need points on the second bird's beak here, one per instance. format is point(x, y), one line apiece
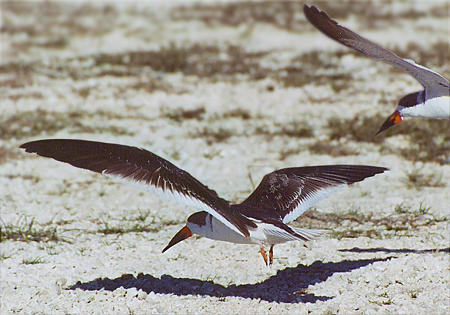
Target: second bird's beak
point(392, 120)
point(183, 234)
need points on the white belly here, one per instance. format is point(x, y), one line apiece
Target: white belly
point(269, 234)
point(216, 230)
point(264, 234)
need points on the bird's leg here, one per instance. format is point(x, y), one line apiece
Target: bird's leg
point(263, 254)
point(271, 255)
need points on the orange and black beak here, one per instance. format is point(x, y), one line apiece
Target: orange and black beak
point(183, 234)
point(392, 120)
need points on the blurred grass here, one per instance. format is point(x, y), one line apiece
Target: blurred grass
point(7, 154)
point(429, 140)
point(354, 224)
point(198, 60)
point(40, 122)
point(417, 180)
point(288, 15)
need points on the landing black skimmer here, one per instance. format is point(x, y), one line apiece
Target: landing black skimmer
point(281, 197)
point(432, 102)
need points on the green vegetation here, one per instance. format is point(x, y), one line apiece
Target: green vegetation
point(34, 261)
point(137, 224)
point(27, 230)
point(4, 256)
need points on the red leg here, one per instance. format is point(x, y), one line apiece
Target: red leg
point(271, 255)
point(263, 254)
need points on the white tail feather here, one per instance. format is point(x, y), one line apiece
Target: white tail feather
point(309, 233)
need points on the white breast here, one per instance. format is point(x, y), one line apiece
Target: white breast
point(264, 234)
point(216, 230)
point(437, 107)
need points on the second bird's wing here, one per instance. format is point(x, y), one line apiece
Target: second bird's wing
point(428, 78)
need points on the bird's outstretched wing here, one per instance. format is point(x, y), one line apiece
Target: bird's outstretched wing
point(287, 193)
point(138, 166)
point(428, 78)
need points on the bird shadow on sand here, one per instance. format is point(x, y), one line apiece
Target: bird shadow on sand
point(396, 250)
point(287, 286)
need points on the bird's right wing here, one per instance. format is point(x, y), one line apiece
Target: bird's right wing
point(141, 167)
point(428, 78)
point(287, 193)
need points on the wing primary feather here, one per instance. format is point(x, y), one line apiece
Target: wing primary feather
point(288, 193)
point(320, 19)
point(139, 166)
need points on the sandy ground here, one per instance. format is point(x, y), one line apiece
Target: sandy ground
point(228, 92)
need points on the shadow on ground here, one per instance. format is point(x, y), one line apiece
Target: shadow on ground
point(397, 250)
point(286, 286)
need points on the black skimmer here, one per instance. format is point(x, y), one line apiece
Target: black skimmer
point(432, 102)
point(281, 197)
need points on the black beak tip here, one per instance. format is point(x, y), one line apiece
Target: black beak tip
point(380, 131)
point(183, 234)
point(392, 120)
point(387, 124)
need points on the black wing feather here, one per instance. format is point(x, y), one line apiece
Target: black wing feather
point(138, 165)
point(345, 36)
point(286, 193)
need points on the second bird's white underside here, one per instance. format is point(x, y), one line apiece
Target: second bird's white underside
point(437, 107)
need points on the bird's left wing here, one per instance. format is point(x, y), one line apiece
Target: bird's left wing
point(144, 168)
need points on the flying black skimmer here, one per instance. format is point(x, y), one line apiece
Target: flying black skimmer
point(281, 197)
point(432, 102)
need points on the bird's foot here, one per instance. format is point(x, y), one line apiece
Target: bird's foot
point(264, 255)
point(271, 255)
